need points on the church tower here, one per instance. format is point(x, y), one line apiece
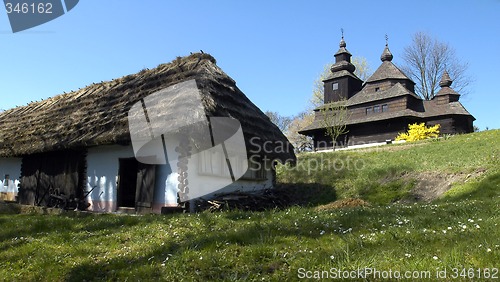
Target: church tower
point(446, 94)
point(342, 82)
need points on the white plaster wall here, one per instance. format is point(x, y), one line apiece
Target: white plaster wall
point(103, 168)
point(246, 185)
point(12, 167)
point(102, 171)
point(205, 186)
point(166, 178)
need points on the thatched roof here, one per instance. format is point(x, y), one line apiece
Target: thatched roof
point(97, 114)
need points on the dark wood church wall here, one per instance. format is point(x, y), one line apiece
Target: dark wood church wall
point(41, 173)
point(453, 124)
point(447, 125)
point(377, 131)
point(394, 105)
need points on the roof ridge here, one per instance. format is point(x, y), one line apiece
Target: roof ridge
point(387, 70)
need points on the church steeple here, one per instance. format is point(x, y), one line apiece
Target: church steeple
point(343, 58)
point(446, 94)
point(445, 80)
point(386, 55)
point(342, 82)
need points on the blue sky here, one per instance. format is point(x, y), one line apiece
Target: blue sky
point(273, 49)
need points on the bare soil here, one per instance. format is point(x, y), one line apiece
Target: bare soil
point(431, 185)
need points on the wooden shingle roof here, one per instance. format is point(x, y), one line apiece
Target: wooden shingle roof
point(431, 110)
point(387, 70)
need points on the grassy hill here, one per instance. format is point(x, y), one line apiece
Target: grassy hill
point(416, 209)
point(386, 174)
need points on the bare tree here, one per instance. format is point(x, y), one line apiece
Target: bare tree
point(290, 126)
point(426, 59)
point(300, 142)
point(282, 122)
point(334, 117)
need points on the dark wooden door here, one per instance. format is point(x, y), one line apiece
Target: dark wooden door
point(127, 182)
point(145, 187)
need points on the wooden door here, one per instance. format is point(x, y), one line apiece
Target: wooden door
point(145, 188)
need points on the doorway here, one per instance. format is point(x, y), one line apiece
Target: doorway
point(136, 185)
point(127, 182)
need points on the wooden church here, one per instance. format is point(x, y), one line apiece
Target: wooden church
point(383, 105)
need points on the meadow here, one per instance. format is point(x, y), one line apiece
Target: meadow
point(418, 211)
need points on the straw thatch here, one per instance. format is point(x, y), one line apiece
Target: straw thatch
point(97, 114)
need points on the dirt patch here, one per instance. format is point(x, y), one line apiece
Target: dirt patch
point(431, 185)
point(344, 203)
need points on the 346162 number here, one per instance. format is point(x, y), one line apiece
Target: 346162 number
point(29, 8)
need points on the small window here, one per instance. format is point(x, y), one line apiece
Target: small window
point(369, 110)
point(376, 109)
point(377, 89)
point(385, 108)
point(335, 86)
point(256, 171)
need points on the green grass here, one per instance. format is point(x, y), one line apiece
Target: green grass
point(386, 174)
point(459, 230)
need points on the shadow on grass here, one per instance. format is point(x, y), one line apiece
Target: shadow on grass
point(306, 194)
point(147, 265)
point(271, 234)
point(46, 225)
point(487, 188)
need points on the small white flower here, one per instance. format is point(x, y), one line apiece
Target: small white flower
point(322, 232)
point(470, 220)
point(488, 250)
point(444, 231)
point(332, 257)
point(435, 257)
point(408, 255)
point(464, 226)
point(477, 226)
point(449, 227)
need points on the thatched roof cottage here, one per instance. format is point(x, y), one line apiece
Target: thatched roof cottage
point(80, 141)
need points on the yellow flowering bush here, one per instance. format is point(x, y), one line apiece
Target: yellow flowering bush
point(418, 131)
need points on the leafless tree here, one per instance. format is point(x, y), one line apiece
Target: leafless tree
point(334, 117)
point(426, 59)
point(282, 122)
point(300, 142)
